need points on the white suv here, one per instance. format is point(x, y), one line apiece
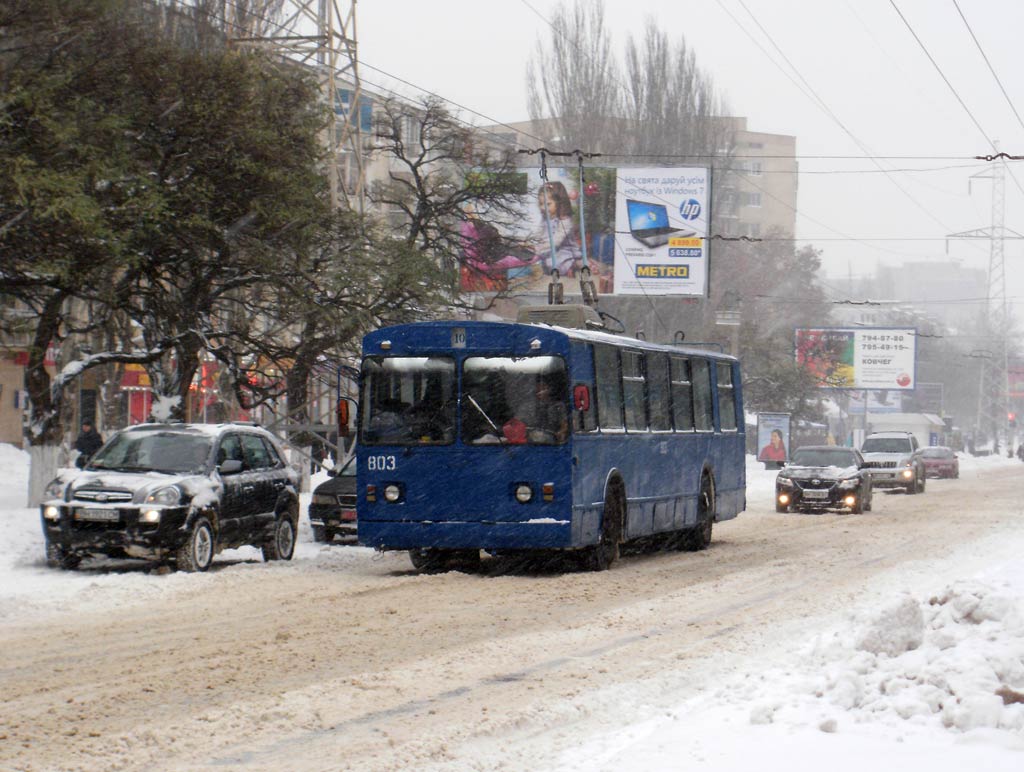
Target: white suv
point(894, 460)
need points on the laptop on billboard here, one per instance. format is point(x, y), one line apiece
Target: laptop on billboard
point(648, 222)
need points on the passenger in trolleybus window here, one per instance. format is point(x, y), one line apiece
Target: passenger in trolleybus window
point(550, 421)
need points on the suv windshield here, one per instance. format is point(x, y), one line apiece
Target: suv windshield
point(407, 401)
point(514, 401)
point(837, 457)
point(886, 445)
point(168, 452)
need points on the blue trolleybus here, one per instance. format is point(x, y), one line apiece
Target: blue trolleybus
point(509, 437)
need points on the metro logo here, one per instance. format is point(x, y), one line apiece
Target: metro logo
point(662, 272)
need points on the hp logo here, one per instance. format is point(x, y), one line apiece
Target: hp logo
point(690, 209)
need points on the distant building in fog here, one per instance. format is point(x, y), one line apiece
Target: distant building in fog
point(944, 290)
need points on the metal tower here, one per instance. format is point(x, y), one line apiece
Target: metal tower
point(994, 392)
point(321, 34)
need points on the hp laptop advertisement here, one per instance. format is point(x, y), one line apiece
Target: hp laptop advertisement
point(661, 222)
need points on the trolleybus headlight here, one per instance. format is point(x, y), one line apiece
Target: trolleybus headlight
point(392, 493)
point(524, 493)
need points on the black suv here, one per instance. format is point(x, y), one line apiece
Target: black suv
point(174, 492)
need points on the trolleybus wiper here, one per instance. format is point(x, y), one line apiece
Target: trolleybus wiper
point(498, 433)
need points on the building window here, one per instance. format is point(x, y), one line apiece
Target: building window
point(754, 167)
point(752, 199)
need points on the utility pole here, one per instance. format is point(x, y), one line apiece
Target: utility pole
point(994, 391)
point(321, 34)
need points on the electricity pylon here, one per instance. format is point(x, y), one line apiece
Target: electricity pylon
point(321, 34)
point(994, 392)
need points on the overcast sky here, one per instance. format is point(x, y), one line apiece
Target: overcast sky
point(858, 56)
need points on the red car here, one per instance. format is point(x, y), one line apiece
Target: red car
point(940, 461)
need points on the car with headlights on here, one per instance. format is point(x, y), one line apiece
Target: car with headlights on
point(895, 461)
point(332, 507)
point(174, 493)
point(940, 461)
point(820, 477)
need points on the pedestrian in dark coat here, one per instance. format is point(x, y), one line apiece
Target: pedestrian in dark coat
point(88, 442)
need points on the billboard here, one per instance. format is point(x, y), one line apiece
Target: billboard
point(773, 439)
point(645, 229)
point(859, 358)
point(662, 215)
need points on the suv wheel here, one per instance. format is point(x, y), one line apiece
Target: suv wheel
point(282, 543)
point(196, 554)
point(58, 557)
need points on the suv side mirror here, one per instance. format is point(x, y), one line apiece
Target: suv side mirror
point(231, 466)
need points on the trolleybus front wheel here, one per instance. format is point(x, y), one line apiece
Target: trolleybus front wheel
point(433, 561)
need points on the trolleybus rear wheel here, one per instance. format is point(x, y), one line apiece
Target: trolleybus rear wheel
point(601, 556)
point(699, 537)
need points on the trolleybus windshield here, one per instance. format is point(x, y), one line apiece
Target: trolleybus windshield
point(408, 401)
point(514, 400)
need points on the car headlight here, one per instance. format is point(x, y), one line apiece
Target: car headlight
point(151, 516)
point(55, 490)
point(849, 482)
point(168, 496)
point(783, 481)
point(323, 499)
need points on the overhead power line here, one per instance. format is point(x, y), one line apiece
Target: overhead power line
point(987, 62)
point(956, 94)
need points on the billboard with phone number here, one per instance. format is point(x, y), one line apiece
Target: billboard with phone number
point(859, 357)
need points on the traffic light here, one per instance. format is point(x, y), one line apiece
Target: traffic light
point(1011, 417)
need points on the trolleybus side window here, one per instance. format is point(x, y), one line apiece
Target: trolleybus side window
point(682, 394)
point(703, 416)
point(609, 387)
point(658, 388)
point(726, 398)
point(407, 401)
point(633, 388)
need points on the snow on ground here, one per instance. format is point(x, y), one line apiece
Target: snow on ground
point(925, 675)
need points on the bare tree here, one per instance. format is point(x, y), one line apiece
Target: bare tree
point(573, 79)
point(672, 102)
point(439, 174)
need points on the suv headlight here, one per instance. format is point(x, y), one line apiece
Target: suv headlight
point(783, 481)
point(170, 495)
point(55, 490)
point(849, 482)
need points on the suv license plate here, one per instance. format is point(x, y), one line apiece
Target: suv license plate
point(106, 515)
point(815, 494)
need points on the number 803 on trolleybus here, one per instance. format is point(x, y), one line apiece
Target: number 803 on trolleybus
point(511, 437)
